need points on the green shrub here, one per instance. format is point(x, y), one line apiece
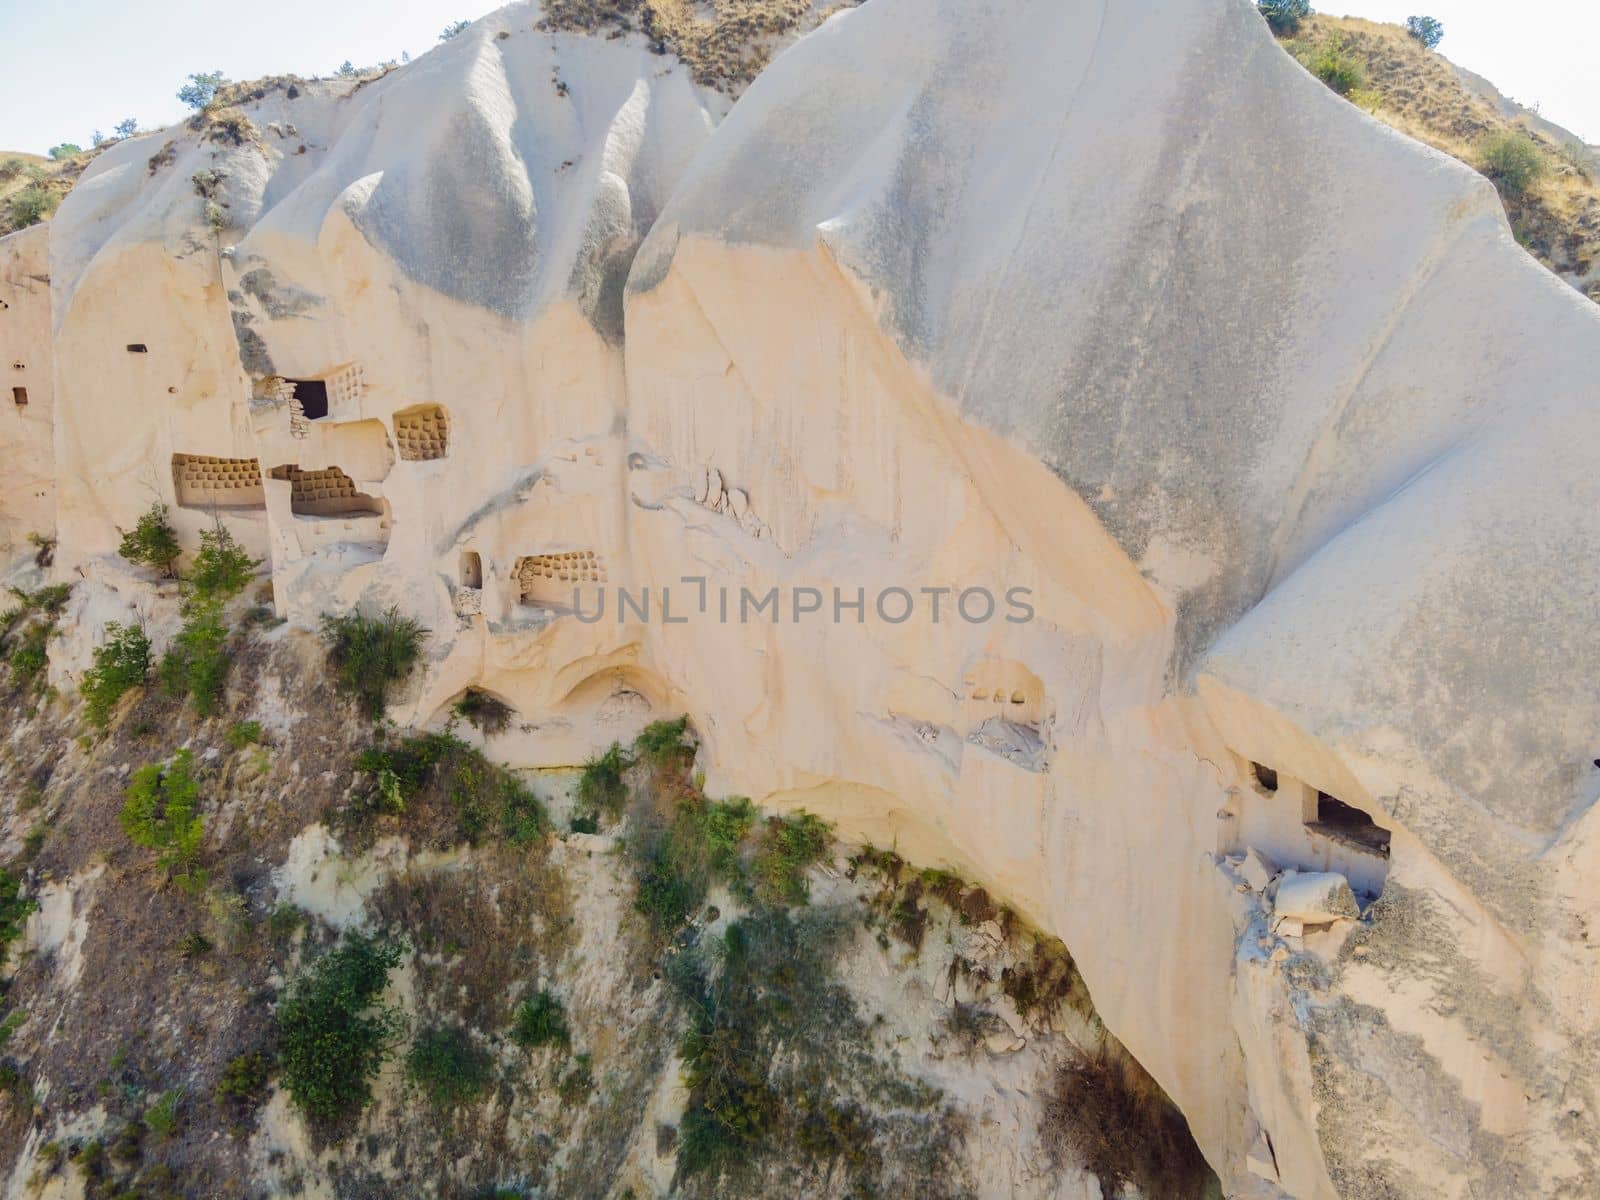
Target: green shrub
point(65, 150)
point(161, 813)
point(789, 847)
point(120, 665)
point(161, 1118)
point(369, 655)
point(1427, 30)
point(601, 788)
point(490, 715)
point(31, 204)
point(1513, 160)
point(1336, 67)
point(196, 664)
point(676, 864)
point(153, 542)
point(11, 1024)
point(1285, 16)
point(15, 908)
point(662, 743)
point(244, 1079)
point(244, 733)
point(221, 569)
point(448, 1066)
point(726, 824)
point(488, 801)
point(540, 1020)
point(31, 655)
point(334, 1035)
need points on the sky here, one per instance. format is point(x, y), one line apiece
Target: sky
point(75, 66)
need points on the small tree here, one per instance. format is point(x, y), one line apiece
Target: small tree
point(1284, 16)
point(1426, 30)
point(65, 150)
point(120, 665)
point(201, 89)
point(162, 813)
point(126, 127)
point(452, 29)
point(196, 664)
point(153, 542)
point(347, 70)
point(221, 569)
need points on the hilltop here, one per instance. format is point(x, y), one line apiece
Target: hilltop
point(1419, 92)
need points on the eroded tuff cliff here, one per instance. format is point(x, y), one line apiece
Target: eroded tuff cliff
point(1288, 440)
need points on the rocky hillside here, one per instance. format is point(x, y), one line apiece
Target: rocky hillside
point(1003, 611)
point(1555, 215)
point(596, 982)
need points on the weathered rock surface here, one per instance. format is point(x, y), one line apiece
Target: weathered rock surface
point(1290, 443)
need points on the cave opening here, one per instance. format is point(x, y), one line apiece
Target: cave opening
point(1349, 823)
point(313, 397)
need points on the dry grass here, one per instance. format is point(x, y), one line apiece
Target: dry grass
point(1418, 93)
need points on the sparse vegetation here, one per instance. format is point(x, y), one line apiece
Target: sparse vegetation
point(457, 787)
point(789, 847)
point(15, 908)
point(334, 1034)
point(161, 813)
point(448, 1067)
point(126, 127)
point(161, 1118)
point(663, 744)
point(120, 665)
point(540, 1020)
point(486, 713)
point(1512, 160)
point(1427, 30)
point(153, 542)
point(370, 655)
point(244, 733)
point(601, 787)
point(65, 150)
point(454, 29)
point(30, 656)
point(1331, 62)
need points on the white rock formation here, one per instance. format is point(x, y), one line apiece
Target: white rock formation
point(1288, 441)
